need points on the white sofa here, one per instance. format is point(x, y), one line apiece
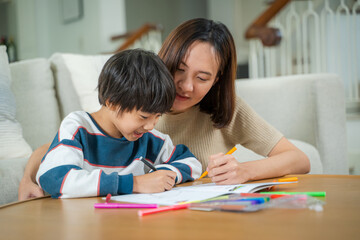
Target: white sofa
point(309, 109)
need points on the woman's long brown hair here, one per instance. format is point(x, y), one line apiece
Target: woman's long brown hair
point(220, 100)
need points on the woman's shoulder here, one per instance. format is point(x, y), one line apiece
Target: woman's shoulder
point(242, 106)
point(244, 115)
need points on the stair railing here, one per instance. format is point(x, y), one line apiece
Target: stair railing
point(314, 39)
point(147, 37)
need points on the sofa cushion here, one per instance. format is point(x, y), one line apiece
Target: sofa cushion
point(312, 153)
point(300, 107)
point(12, 143)
point(37, 106)
point(76, 77)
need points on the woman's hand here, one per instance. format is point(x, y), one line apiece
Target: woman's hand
point(28, 189)
point(158, 181)
point(225, 169)
point(282, 160)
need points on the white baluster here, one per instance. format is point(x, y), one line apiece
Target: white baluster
point(266, 62)
point(260, 50)
point(311, 49)
point(356, 51)
point(305, 46)
point(327, 20)
point(344, 52)
point(253, 63)
point(293, 19)
point(280, 51)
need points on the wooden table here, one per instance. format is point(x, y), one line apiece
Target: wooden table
point(48, 218)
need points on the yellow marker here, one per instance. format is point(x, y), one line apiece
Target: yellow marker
point(229, 152)
point(291, 179)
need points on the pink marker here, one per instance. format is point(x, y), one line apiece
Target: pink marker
point(122, 205)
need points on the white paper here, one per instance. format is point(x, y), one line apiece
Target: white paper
point(193, 193)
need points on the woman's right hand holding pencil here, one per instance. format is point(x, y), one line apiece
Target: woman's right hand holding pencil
point(158, 181)
point(225, 169)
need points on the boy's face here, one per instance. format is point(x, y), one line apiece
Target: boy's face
point(133, 124)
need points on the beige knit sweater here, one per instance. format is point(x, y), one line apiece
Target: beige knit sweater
point(195, 129)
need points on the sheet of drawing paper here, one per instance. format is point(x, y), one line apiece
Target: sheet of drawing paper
point(193, 193)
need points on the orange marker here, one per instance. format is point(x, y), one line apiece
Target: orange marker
point(291, 179)
point(229, 152)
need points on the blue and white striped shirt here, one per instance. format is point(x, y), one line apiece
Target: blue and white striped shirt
point(84, 161)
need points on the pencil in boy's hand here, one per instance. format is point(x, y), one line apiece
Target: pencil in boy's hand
point(147, 163)
point(229, 152)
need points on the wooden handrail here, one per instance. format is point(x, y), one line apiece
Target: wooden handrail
point(121, 36)
point(258, 29)
point(133, 36)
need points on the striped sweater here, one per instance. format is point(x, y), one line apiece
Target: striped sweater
point(84, 161)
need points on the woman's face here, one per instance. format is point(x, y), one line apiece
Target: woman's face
point(195, 76)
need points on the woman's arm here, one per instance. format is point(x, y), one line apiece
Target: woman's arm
point(283, 159)
point(28, 187)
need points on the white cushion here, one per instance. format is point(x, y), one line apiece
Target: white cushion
point(37, 106)
point(77, 78)
point(12, 143)
point(309, 108)
point(312, 153)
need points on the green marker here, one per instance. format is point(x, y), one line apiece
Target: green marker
point(313, 194)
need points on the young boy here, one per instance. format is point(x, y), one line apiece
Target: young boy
point(96, 154)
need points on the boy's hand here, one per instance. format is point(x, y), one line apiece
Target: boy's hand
point(154, 182)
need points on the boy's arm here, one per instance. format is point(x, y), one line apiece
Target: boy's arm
point(178, 159)
point(28, 187)
point(61, 174)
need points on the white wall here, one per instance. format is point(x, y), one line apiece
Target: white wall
point(40, 30)
point(237, 15)
point(81, 36)
point(26, 29)
point(112, 22)
point(3, 19)
point(169, 13)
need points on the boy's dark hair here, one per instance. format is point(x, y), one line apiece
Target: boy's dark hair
point(136, 79)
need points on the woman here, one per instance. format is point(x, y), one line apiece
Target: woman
point(206, 115)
